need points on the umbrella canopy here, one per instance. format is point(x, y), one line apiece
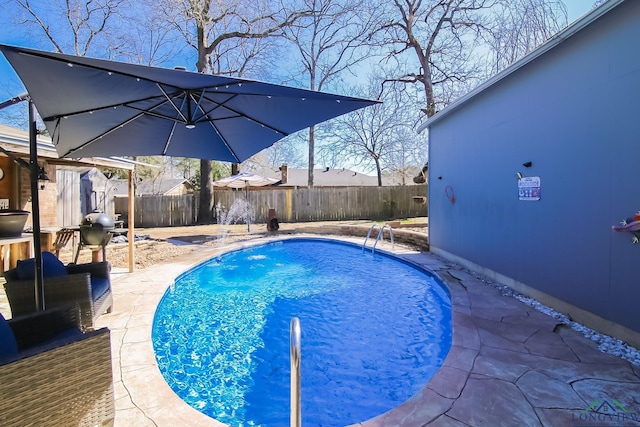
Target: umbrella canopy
point(94, 108)
point(244, 180)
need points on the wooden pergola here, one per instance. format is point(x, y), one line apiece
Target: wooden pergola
point(15, 143)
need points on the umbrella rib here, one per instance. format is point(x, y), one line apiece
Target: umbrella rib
point(106, 107)
point(198, 101)
point(224, 141)
point(173, 128)
point(166, 145)
point(240, 114)
point(170, 99)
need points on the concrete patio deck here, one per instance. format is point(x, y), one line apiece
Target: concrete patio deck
point(509, 364)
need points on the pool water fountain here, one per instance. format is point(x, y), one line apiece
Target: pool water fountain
point(239, 211)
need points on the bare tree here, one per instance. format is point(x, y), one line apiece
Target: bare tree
point(521, 26)
point(70, 26)
point(442, 35)
point(144, 36)
point(372, 137)
point(224, 32)
point(286, 151)
point(330, 40)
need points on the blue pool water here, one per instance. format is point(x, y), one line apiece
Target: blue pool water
point(374, 331)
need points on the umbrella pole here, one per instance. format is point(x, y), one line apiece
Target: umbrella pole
point(34, 171)
point(246, 192)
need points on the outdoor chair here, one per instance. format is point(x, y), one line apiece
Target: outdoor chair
point(52, 374)
point(88, 285)
point(62, 238)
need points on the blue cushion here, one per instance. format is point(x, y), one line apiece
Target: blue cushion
point(8, 344)
point(51, 267)
point(98, 287)
point(66, 334)
point(26, 269)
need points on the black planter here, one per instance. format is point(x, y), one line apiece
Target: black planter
point(12, 222)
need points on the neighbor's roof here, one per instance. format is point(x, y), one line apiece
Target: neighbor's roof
point(556, 40)
point(330, 178)
point(148, 186)
point(17, 141)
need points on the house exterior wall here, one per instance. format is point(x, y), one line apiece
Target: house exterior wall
point(179, 190)
point(573, 112)
point(47, 197)
point(6, 183)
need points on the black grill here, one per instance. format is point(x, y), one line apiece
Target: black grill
point(95, 229)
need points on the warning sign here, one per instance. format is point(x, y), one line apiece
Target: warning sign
point(529, 188)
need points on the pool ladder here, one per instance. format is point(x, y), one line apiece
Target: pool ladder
point(294, 353)
point(379, 237)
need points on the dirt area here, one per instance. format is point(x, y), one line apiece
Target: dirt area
point(162, 244)
point(155, 245)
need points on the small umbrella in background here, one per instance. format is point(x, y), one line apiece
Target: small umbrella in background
point(245, 180)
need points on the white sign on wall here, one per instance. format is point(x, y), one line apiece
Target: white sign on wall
point(4, 203)
point(529, 188)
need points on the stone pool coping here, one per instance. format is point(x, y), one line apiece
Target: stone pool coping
point(509, 364)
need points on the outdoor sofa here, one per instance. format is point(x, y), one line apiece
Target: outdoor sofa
point(53, 374)
point(88, 285)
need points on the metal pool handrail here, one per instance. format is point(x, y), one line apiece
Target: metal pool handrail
point(294, 352)
point(364, 245)
point(381, 236)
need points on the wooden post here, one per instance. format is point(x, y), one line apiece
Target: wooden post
point(131, 221)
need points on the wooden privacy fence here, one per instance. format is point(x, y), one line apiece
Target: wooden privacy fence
point(160, 211)
point(291, 205)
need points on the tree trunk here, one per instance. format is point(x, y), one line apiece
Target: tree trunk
point(205, 211)
point(311, 155)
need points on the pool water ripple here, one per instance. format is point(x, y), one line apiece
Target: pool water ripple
point(374, 331)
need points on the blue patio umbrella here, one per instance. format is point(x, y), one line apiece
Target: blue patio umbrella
point(93, 107)
point(98, 108)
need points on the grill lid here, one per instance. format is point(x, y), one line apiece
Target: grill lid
point(98, 220)
point(95, 228)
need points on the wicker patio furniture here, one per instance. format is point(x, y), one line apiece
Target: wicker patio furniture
point(59, 376)
point(88, 285)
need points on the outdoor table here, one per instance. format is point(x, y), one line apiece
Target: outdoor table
point(15, 248)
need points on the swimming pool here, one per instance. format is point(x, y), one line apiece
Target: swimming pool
point(374, 330)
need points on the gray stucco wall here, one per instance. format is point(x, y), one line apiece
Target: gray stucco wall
point(574, 113)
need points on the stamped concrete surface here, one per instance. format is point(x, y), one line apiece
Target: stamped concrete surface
point(509, 364)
